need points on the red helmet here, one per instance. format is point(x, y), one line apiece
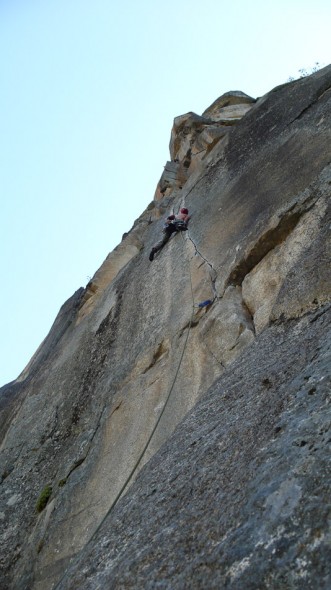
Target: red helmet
point(184, 210)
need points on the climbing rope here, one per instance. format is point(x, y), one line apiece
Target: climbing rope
point(134, 469)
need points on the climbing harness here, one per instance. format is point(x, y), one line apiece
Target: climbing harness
point(180, 225)
point(176, 226)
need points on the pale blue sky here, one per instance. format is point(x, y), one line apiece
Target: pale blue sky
point(88, 94)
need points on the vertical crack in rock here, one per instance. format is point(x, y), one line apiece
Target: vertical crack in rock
point(249, 313)
point(81, 460)
point(214, 355)
point(212, 271)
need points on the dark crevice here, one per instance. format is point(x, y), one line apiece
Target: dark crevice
point(81, 460)
point(76, 464)
point(200, 152)
point(187, 158)
point(115, 409)
point(249, 314)
point(324, 92)
point(214, 356)
point(319, 312)
point(241, 330)
point(265, 244)
point(309, 106)
point(189, 325)
point(312, 314)
point(234, 345)
point(158, 354)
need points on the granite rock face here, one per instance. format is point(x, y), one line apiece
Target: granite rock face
point(194, 136)
point(233, 488)
point(239, 496)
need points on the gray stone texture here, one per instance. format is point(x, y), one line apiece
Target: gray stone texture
point(233, 489)
point(239, 497)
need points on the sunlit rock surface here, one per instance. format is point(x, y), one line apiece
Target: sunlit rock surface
point(194, 136)
point(236, 491)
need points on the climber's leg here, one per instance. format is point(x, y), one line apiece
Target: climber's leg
point(161, 243)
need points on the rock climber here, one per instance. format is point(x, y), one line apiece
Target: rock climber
point(173, 224)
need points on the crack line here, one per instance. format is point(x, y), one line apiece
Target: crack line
point(81, 460)
point(215, 357)
point(314, 101)
point(213, 273)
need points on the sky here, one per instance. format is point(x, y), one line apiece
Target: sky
point(88, 94)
